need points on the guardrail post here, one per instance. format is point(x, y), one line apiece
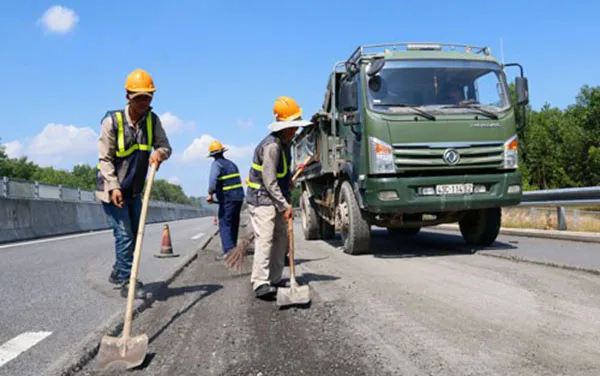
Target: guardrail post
point(60, 192)
point(562, 218)
point(4, 186)
point(36, 190)
point(78, 193)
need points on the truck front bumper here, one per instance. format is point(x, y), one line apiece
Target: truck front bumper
point(378, 193)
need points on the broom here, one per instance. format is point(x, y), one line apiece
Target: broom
point(235, 257)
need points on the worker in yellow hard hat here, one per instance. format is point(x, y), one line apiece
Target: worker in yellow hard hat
point(269, 196)
point(225, 182)
point(125, 146)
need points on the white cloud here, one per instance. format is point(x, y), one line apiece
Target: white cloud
point(198, 150)
point(64, 140)
point(13, 149)
point(173, 124)
point(246, 123)
point(174, 180)
point(59, 19)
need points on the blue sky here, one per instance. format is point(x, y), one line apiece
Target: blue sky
point(219, 66)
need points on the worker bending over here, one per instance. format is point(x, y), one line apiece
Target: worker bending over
point(269, 197)
point(125, 145)
point(226, 184)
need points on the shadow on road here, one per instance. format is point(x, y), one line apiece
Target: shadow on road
point(162, 292)
point(305, 261)
point(423, 244)
point(166, 293)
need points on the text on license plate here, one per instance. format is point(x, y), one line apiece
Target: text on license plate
point(454, 189)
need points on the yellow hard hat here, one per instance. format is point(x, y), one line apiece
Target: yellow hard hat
point(139, 81)
point(215, 147)
point(286, 108)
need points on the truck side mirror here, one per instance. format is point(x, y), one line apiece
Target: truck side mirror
point(522, 90)
point(375, 67)
point(348, 95)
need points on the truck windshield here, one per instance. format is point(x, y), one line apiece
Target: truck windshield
point(439, 85)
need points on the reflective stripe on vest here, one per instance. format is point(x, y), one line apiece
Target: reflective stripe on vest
point(121, 152)
point(230, 176)
point(279, 175)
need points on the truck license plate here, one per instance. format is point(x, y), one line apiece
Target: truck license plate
point(454, 189)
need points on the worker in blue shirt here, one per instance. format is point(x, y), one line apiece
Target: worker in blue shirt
point(226, 184)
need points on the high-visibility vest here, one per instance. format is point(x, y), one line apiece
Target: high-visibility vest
point(229, 184)
point(132, 152)
point(257, 194)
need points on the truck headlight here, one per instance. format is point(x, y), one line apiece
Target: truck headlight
point(511, 153)
point(382, 157)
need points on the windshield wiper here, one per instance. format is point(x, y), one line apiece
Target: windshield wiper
point(425, 114)
point(475, 107)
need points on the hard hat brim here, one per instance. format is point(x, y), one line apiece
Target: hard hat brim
point(277, 126)
point(140, 93)
point(213, 153)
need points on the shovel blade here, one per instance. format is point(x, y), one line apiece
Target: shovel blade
point(122, 352)
point(293, 295)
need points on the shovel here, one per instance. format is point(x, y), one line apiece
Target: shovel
point(295, 294)
point(129, 351)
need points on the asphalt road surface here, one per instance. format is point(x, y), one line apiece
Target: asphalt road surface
point(421, 305)
point(55, 291)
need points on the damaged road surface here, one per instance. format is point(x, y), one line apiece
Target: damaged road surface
point(421, 305)
point(208, 322)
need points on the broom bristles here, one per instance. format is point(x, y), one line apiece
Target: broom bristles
point(235, 257)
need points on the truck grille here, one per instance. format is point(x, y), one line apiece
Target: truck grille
point(474, 155)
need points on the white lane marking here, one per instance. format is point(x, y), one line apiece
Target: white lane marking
point(53, 239)
point(197, 236)
point(66, 237)
point(21, 343)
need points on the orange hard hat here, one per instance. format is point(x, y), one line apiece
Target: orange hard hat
point(139, 81)
point(286, 108)
point(215, 147)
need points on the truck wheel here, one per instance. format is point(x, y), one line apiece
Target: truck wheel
point(355, 231)
point(310, 219)
point(394, 231)
point(481, 227)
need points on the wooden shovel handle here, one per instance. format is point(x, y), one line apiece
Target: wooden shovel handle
point(302, 167)
point(136, 253)
point(291, 246)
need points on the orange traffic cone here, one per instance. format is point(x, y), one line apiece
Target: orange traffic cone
point(166, 249)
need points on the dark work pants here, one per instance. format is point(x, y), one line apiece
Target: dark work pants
point(124, 223)
point(229, 223)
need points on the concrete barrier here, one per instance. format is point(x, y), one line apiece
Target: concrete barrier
point(26, 219)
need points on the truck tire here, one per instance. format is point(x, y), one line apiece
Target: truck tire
point(309, 217)
point(355, 231)
point(481, 227)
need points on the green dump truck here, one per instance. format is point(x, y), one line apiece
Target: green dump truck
point(411, 135)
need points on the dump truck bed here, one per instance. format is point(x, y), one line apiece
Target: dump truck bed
point(315, 142)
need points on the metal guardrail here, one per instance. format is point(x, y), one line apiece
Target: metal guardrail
point(561, 198)
point(17, 188)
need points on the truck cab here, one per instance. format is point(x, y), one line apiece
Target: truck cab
point(412, 135)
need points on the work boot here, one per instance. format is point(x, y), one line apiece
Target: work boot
point(140, 293)
point(265, 291)
point(114, 278)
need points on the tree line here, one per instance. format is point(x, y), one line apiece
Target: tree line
point(560, 148)
point(84, 177)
